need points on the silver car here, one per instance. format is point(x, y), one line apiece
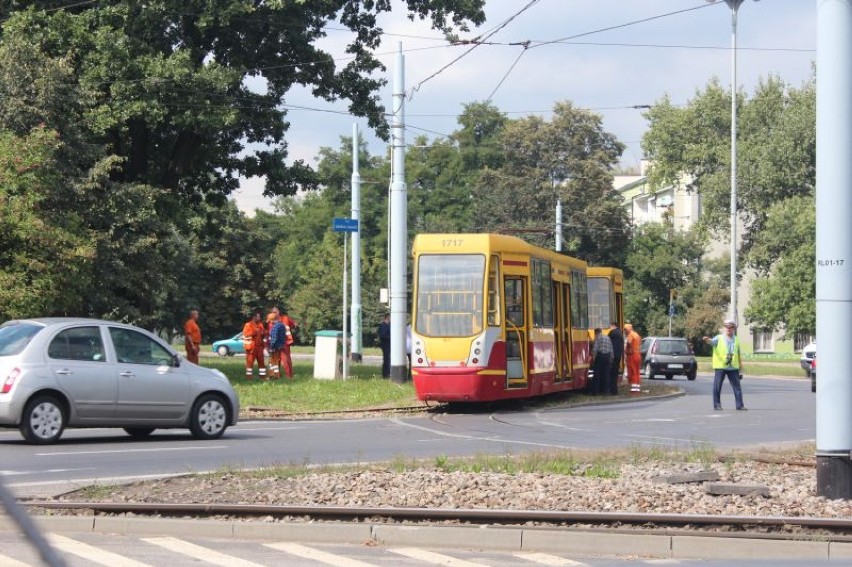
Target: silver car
point(57, 373)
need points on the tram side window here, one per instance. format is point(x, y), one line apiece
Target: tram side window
point(514, 302)
point(494, 292)
point(542, 294)
point(579, 300)
point(601, 309)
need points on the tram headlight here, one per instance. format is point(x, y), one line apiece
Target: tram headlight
point(477, 352)
point(418, 352)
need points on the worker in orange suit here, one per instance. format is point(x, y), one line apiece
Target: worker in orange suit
point(192, 337)
point(254, 332)
point(289, 328)
point(632, 352)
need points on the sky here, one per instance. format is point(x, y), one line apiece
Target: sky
point(621, 54)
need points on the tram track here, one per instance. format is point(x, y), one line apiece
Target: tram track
point(764, 527)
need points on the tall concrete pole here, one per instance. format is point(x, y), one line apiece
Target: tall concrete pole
point(558, 246)
point(355, 313)
point(734, 5)
point(399, 227)
point(834, 248)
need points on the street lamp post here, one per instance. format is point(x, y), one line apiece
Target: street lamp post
point(734, 5)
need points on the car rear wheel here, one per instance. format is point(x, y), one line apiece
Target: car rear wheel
point(43, 420)
point(692, 375)
point(813, 382)
point(649, 373)
point(223, 350)
point(139, 432)
point(209, 417)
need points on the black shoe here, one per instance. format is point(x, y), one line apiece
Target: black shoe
point(742, 409)
point(718, 408)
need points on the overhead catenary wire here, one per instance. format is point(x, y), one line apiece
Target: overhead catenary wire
point(474, 44)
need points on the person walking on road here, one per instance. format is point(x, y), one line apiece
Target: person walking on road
point(384, 342)
point(602, 356)
point(617, 340)
point(192, 337)
point(633, 345)
point(253, 334)
point(727, 362)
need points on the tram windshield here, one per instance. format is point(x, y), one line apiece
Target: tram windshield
point(449, 295)
point(601, 303)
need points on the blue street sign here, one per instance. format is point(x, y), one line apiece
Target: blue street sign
point(671, 310)
point(345, 225)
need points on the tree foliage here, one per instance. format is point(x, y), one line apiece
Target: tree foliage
point(776, 167)
point(569, 157)
point(190, 94)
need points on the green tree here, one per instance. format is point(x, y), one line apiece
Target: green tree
point(570, 157)
point(776, 176)
point(169, 83)
point(784, 300)
point(44, 249)
point(661, 259)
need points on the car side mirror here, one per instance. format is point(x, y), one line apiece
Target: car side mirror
point(176, 360)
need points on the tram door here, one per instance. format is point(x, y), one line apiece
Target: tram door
point(516, 336)
point(567, 338)
point(558, 323)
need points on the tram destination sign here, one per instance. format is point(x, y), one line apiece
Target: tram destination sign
point(341, 224)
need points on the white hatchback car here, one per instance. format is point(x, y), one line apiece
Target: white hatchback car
point(808, 355)
point(63, 372)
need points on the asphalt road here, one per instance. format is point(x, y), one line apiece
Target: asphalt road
point(780, 412)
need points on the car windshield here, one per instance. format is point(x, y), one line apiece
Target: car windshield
point(14, 337)
point(673, 347)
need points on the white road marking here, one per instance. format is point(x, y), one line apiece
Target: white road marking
point(150, 450)
point(9, 562)
point(306, 552)
point(201, 553)
point(42, 471)
point(434, 558)
point(93, 554)
point(475, 438)
point(552, 560)
point(243, 428)
point(104, 480)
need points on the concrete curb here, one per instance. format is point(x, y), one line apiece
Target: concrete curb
point(488, 538)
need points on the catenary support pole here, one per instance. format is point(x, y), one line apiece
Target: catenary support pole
point(399, 227)
point(558, 246)
point(834, 248)
point(355, 313)
point(344, 347)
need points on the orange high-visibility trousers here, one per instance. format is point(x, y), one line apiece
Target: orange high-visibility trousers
point(287, 361)
point(275, 364)
point(252, 355)
point(633, 361)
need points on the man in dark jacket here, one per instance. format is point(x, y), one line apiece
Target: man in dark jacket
point(617, 339)
point(384, 343)
point(602, 357)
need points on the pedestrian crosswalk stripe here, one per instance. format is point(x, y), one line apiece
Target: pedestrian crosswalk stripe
point(9, 562)
point(201, 553)
point(434, 558)
point(92, 553)
point(553, 560)
point(306, 552)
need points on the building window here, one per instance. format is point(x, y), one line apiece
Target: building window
point(763, 341)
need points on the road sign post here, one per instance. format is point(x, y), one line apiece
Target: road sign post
point(345, 226)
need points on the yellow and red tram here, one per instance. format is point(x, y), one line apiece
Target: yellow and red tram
point(495, 318)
